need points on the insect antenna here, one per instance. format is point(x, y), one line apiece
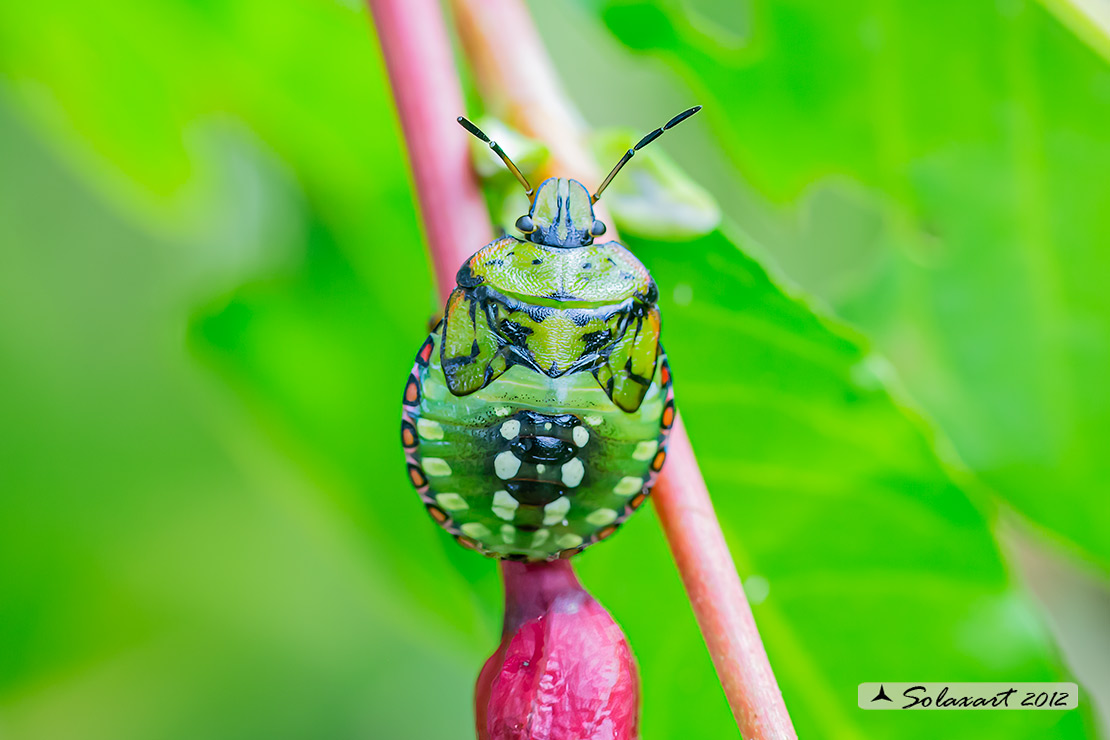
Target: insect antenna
point(640, 145)
point(499, 152)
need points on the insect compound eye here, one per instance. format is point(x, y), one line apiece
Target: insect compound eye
point(598, 228)
point(525, 225)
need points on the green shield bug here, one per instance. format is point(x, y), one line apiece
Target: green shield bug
point(535, 419)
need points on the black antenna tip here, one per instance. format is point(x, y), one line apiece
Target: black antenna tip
point(681, 117)
point(472, 128)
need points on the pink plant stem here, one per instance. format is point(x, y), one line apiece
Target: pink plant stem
point(425, 84)
point(716, 595)
point(503, 46)
point(516, 79)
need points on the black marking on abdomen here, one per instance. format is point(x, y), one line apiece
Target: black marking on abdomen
point(534, 492)
point(543, 450)
point(568, 421)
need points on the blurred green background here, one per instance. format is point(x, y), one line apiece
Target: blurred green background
point(891, 353)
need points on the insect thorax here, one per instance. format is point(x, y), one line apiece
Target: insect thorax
point(557, 311)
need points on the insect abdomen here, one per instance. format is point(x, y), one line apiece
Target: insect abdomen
point(531, 467)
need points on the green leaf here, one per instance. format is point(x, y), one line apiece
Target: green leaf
point(865, 558)
point(193, 568)
point(946, 163)
point(170, 572)
point(873, 562)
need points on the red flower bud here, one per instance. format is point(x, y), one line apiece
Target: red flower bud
point(564, 670)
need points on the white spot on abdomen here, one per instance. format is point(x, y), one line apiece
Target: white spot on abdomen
point(573, 472)
point(476, 530)
point(429, 429)
point(436, 466)
point(601, 517)
point(628, 486)
point(504, 505)
point(568, 540)
point(554, 512)
point(451, 501)
point(506, 465)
